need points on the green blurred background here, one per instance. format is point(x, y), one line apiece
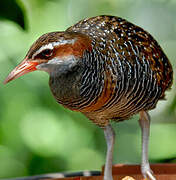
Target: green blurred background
point(39, 136)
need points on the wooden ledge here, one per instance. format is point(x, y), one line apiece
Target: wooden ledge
point(122, 172)
point(135, 169)
point(132, 172)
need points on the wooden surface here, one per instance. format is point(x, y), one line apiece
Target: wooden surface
point(132, 172)
point(120, 172)
point(121, 177)
point(135, 169)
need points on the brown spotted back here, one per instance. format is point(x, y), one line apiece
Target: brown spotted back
point(130, 67)
point(129, 41)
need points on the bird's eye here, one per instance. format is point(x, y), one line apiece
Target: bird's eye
point(46, 53)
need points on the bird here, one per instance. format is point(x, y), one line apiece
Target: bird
point(107, 68)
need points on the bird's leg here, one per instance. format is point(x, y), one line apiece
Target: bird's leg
point(144, 123)
point(110, 139)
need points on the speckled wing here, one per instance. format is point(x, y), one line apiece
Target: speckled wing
point(134, 69)
point(130, 43)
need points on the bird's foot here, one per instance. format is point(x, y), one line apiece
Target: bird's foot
point(147, 172)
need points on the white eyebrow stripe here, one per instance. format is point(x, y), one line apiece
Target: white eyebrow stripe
point(52, 45)
point(47, 46)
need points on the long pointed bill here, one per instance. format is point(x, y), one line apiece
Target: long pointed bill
point(24, 67)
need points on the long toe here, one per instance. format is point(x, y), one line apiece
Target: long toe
point(147, 172)
point(150, 175)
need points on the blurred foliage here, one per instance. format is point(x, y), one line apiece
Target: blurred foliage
point(10, 10)
point(39, 136)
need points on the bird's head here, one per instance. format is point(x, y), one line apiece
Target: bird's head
point(55, 51)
